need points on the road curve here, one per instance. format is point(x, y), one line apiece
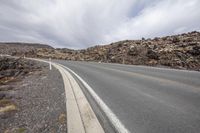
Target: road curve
point(145, 99)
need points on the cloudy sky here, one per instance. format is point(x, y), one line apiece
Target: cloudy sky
point(83, 23)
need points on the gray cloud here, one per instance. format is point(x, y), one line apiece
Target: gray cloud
point(79, 24)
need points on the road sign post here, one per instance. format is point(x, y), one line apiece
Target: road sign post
point(50, 67)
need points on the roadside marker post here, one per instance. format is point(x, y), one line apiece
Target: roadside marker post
point(50, 67)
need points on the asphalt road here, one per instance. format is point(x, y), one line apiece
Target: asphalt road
point(146, 99)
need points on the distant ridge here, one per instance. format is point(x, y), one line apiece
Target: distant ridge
point(20, 49)
point(36, 45)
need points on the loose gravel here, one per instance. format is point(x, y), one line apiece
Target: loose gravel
point(40, 102)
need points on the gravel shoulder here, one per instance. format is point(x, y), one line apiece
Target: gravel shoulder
point(39, 103)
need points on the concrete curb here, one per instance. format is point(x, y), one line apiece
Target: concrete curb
point(80, 116)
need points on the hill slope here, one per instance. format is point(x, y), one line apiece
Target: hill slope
point(177, 51)
point(20, 49)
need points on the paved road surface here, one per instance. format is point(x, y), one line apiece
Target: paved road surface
point(146, 99)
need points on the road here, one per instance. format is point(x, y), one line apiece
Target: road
point(146, 99)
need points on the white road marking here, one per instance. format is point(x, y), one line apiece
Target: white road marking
point(111, 116)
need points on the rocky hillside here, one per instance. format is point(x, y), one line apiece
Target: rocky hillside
point(177, 51)
point(11, 68)
point(20, 49)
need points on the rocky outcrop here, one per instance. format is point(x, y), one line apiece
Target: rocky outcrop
point(11, 68)
point(20, 49)
point(178, 51)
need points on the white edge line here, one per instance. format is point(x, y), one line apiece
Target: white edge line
point(111, 116)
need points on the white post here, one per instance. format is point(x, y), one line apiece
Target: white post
point(50, 64)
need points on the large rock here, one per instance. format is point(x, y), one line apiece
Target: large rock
point(10, 67)
point(152, 54)
point(133, 50)
point(195, 51)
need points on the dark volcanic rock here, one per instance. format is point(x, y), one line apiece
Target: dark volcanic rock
point(10, 68)
point(195, 51)
point(152, 54)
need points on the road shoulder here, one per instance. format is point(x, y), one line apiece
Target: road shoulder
point(40, 104)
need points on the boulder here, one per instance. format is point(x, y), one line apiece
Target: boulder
point(152, 54)
point(195, 51)
point(133, 50)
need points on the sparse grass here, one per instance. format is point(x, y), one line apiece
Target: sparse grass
point(16, 130)
point(4, 102)
point(6, 131)
point(62, 118)
point(5, 80)
point(7, 106)
point(21, 130)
